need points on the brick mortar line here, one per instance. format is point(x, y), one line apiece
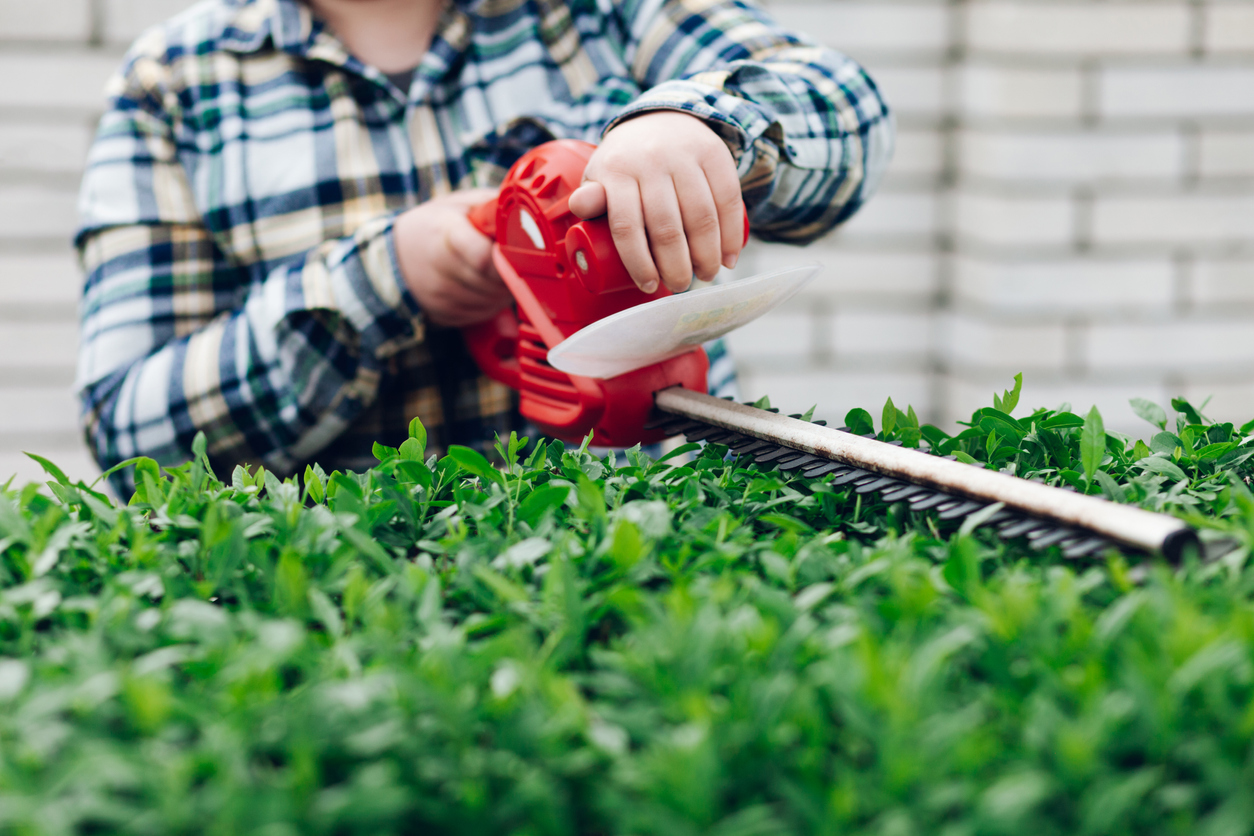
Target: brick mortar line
point(66, 181)
point(1219, 188)
point(1221, 251)
point(40, 47)
point(1103, 61)
point(1150, 316)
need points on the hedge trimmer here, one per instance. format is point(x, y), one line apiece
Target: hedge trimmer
point(591, 353)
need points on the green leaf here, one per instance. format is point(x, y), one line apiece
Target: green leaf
point(1166, 443)
point(1150, 411)
point(473, 462)
point(50, 468)
point(1190, 413)
point(1092, 443)
point(1111, 487)
point(1215, 451)
point(542, 500)
point(313, 485)
point(1062, 421)
point(120, 466)
point(992, 420)
point(1164, 466)
point(383, 453)
point(1010, 398)
point(859, 422)
point(417, 431)
point(681, 450)
point(888, 420)
point(412, 450)
point(627, 547)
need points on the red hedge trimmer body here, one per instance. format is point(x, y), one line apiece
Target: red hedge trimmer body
point(565, 274)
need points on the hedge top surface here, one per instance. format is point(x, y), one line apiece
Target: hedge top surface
point(569, 646)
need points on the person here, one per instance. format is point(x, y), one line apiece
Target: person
point(274, 215)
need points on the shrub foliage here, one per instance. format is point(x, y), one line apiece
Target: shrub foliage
point(569, 645)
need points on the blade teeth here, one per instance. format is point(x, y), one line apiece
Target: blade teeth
point(1041, 534)
point(660, 419)
point(705, 432)
point(779, 454)
point(1052, 538)
point(802, 463)
point(1022, 529)
point(854, 474)
point(1002, 516)
point(902, 493)
point(824, 469)
point(750, 446)
point(1086, 547)
point(877, 484)
point(679, 426)
point(926, 503)
point(962, 510)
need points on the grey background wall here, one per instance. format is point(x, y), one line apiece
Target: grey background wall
point(1072, 197)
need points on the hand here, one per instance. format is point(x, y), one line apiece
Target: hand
point(447, 263)
point(670, 187)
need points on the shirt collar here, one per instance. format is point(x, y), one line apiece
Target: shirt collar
point(291, 27)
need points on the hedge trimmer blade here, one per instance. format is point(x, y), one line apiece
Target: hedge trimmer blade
point(665, 328)
point(1047, 516)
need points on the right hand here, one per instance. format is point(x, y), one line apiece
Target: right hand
point(447, 263)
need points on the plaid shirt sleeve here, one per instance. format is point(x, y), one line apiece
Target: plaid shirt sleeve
point(174, 341)
point(809, 130)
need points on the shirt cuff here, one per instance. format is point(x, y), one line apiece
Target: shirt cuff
point(739, 122)
point(363, 277)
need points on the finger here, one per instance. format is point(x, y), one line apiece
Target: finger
point(667, 239)
point(626, 220)
point(588, 201)
point(470, 247)
point(725, 188)
point(701, 222)
point(453, 303)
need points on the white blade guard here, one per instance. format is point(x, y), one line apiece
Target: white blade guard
point(665, 328)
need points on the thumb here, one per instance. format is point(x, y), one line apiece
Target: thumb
point(589, 200)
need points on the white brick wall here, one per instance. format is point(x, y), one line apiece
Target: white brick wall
point(1226, 153)
point(1230, 28)
point(53, 67)
point(1065, 29)
point(46, 20)
point(1093, 168)
point(1072, 197)
point(1178, 90)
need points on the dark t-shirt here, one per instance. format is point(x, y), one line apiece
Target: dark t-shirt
point(402, 80)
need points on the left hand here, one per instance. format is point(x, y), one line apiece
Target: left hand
point(670, 188)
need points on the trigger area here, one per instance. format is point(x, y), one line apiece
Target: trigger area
point(591, 253)
point(483, 218)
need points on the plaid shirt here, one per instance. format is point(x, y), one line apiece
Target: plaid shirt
point(237, 209)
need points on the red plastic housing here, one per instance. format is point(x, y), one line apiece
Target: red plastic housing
point(565, 274)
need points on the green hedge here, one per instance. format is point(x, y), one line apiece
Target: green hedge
point(567, 646)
